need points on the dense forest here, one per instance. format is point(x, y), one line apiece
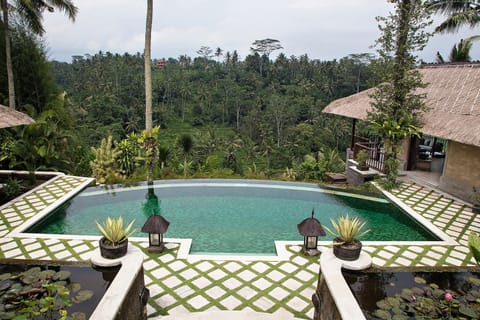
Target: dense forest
point(255, 115)
point(218, 114)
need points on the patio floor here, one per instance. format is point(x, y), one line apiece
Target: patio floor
point(282, 288)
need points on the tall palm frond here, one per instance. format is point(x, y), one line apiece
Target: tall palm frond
point(459, 13)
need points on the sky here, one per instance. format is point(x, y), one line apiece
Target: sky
point(322, 29)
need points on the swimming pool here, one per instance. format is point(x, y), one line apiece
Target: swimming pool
point(230, 216)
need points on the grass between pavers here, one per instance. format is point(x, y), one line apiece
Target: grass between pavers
point(260, 286)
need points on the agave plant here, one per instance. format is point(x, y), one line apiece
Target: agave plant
point(113, 230)
point(347, 229)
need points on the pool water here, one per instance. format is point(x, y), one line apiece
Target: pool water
point(230, 216)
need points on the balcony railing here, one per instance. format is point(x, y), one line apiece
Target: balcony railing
point(376, 156)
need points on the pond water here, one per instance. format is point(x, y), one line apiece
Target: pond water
point(416, 295)
point(23, 286)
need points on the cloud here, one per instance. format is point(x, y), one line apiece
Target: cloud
point(323, 29)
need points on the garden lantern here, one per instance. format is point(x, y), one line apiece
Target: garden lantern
point(310, 229)
point(155, 226)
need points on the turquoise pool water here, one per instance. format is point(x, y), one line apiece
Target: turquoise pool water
point(230, 216)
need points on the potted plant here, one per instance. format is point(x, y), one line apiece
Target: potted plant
point(347, 232)
point(475, 197)
point(362, 157)
point(114, 243)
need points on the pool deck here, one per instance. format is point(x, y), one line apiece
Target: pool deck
point(201, 287)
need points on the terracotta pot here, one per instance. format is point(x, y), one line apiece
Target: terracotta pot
point(112, 252)
point(349, 252)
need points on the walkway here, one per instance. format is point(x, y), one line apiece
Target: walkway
point(179, 287)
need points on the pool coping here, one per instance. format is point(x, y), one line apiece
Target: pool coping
point(281, 254)
point(183, 248)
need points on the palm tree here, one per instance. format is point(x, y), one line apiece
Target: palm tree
point(148, 68)
point(186, 143)
point(460, 52)
point(459, 13)
point(31, 12)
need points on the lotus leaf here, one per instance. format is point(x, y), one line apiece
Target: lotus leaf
point(467, 311)
point(434, 286)
point(407, 292)
point(78, 316)
point(438, 293)
point(397, 310)
point(382, 304)
point(60, 283)
point(420, 280)
point(424, 305)
point(406, 297)
point(474, 281)
point(33, 270)
point(8, 315)
point(418, 291)
point(82, 295)
point(5, 276)
point(46, 274)
point(74, 286)
point(30, 278)
point(392, 301)
point(5, 284)
point(382, 314)
point(470, 298)
point(62, 275)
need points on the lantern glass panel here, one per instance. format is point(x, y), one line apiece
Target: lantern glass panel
point(311, 242)
point(155, 239)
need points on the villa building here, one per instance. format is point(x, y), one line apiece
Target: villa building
point(450, 142)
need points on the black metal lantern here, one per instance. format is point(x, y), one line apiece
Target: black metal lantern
point(156, 226)
point(310, 229)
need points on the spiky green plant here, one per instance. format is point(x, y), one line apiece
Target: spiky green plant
point(474, 245)
point(347, 229)
point(114, 231)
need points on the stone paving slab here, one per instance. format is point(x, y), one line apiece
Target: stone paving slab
point(180, 287)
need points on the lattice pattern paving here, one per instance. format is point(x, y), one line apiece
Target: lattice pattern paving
point(180, 286)
point(27, 206)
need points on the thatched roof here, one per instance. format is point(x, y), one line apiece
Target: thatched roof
point(453, 96)
point(311, 227)
point(12, 118)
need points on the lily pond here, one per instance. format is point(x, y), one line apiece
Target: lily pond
point(416, 295)
point(37, 291)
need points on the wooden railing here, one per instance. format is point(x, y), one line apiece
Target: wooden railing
point(376, 156)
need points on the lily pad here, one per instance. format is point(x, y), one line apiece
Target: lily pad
point(467, 311)
point(397, 311)
point(434, 286)
point(420, 280)
point(62, 275)
point(5, 284)
point(30, 278)
point(382, 304)
point(474, 281)
point(5, 276)
point(418, 291)
point(407, 292)
point(74, 286)
point(78, 316)
point(46, 274)
point(382, 314)
point(82, 295)
point(392, 301)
